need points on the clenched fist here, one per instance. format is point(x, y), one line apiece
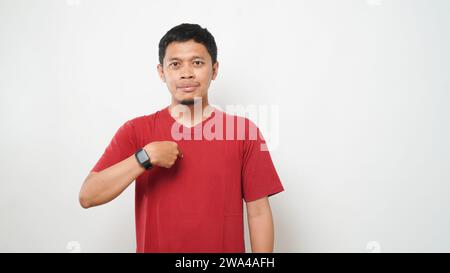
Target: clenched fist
point(163, 153)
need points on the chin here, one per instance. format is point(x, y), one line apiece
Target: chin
point(189, 100)
point(190, 96)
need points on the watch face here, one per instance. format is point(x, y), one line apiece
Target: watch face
point(142, 156)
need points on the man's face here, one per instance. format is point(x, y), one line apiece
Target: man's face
point(187, 70)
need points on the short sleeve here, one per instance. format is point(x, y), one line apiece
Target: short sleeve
point(121, 146)
point(259, 176)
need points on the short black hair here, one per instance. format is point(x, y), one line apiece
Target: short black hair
point(185, 32)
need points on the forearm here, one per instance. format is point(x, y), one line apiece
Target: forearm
point(102, 187)
point(261, 232)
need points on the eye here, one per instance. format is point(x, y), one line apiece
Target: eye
point(198, 63)
point(174, 65)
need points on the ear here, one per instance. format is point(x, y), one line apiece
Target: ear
point(160, 69)
point(215, 70)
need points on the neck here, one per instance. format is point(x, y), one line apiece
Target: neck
point(190, 114)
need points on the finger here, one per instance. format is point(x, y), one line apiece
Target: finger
point(180, 153)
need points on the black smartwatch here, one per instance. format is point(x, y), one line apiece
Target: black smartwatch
point(143, 159)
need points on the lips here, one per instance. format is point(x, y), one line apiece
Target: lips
point(188, 87)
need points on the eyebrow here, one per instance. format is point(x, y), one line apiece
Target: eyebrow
point(179, 59)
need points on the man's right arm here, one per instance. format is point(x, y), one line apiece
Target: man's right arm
point(101, 187)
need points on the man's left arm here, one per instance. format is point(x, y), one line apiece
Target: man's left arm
point(260, 224)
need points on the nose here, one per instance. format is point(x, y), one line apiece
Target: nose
point(187, 73)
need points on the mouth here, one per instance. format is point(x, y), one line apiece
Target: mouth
point(191, 87)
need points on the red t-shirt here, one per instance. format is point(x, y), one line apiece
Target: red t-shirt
point(197, 204)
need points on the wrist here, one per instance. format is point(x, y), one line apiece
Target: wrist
point(143, 158)
point(149, 150)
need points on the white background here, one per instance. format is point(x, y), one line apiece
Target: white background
point(362, 87)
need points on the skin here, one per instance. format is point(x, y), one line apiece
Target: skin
point(187, 70)
point(188, 63)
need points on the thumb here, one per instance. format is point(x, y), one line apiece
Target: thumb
point(180, 153)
